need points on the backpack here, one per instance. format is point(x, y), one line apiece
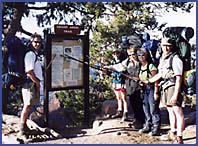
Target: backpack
point(152, 46)
point(14, 62)
point(131, 40)
point(182, 35)
point(189, 78)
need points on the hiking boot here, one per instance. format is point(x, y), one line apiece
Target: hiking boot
point(154, 132)
point(178, 140)
point(145, 129)
point(169, 136)
point(117, 115)
point(24, 131)
point(125, 116)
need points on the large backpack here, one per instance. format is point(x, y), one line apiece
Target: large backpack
point(182, 35)
point(14, 62)
point(152, 46)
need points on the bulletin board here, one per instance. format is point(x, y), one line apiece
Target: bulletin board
point(65, 72)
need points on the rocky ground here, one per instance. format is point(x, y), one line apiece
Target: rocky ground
point(110, 131)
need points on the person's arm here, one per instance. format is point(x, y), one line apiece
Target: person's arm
point(30, 58)
point(32, 76)
point(154, 78)
point(117, 67)
point(156, 95)
point(177, 68)
point(177, 89)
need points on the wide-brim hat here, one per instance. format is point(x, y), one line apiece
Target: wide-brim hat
point(167, 41)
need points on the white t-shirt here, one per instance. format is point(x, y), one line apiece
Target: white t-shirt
point(30, 64)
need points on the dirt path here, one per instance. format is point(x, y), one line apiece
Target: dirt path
point(104, 132)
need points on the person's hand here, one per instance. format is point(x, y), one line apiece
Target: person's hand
point(105, 67)
point(141, 83)
point(145, 82)
point(128, 76)
point(173, 99)
point(156, 96)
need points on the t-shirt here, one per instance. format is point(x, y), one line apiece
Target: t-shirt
point(146, 74)
point(31, 64)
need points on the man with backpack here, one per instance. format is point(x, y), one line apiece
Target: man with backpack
point(31, 88)
point(171, 75)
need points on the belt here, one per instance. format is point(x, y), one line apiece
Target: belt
point(171, 79)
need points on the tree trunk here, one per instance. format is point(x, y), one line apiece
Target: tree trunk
point(15, 24)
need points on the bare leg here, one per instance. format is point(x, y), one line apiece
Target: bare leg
point(119, 100)
point(25, 113)
point(180, 120)
point(125, 102)
point(172, 119)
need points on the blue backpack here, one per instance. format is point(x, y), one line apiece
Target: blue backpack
point(14, 62)
point(152, 46)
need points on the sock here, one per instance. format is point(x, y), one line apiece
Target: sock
point(179, 134)
point(119, 110)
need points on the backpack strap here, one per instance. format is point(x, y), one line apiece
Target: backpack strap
point(28, 50)
point(171, 60)
point(128, 61)
point(147, 70)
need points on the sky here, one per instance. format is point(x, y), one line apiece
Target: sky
point(173, 19)
point(181, 19)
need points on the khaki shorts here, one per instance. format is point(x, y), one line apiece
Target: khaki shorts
point(167, 94)
point(30, 95)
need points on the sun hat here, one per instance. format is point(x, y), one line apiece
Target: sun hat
point(167, 41)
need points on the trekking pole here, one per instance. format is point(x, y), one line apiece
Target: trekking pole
point(86, 63)
point(99, 68)
point(112, 70)
point(94, 59)
point(54, 56)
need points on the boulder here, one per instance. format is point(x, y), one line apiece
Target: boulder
point(109, 107)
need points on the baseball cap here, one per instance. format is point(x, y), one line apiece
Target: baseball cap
point(116, 50)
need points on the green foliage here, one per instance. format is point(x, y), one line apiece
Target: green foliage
point(86, 14)
point(73, 100)
point(73, 103)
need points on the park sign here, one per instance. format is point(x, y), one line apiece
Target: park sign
point(66, 29)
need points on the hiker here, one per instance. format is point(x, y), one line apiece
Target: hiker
point(171, 87)
point(131, 65)
point(31, 88)
point(150, 98)
point(118, 84)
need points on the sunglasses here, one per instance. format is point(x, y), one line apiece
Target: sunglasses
point(141, 54)
point(131, 54)
point(37, 42)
